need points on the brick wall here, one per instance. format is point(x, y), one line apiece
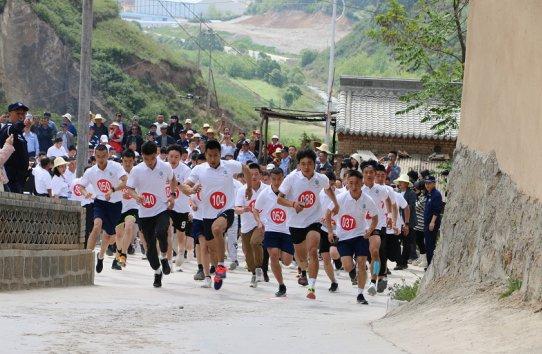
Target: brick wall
point(349, 144)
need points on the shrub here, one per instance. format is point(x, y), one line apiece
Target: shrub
point(513, 286)
point(405, 292)
point(308, 56)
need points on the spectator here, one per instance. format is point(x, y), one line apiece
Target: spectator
point(135, 128)
point(150, 136)
point(93, 138)
point(193, 147)
point(163, 140)
point(69, 175)
point(135, 138)
point(256, 135)
point(16, 166)
point(242, 137)
point(431, 216)
point(285, 161)
point(292, 152)
point(42, 177)
point(272, 147)
point(122, 126)
point(407, 234)
point(57, 149)
point(152, 129)
point(45, 134)
point(4, 119)
point(323, 163)
point(209, 135)
point(183, 139)
point(246, 156)
point(60, 187)
point(67, 119)
point(188, 125)
point(419, 189)
point(393, 170)
point(159, 124)
point(133, 146)
point(413, 175)
point(227, 146)
point(66, 136)
point(99, 126)
point(50, 122)
point(32, 143)
point(174, 129)
point(115, 137)
point(72, 152)
point(205, 129)
point(5, 153)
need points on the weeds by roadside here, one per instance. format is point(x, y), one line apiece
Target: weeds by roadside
point(405, 292)
point(513, 286)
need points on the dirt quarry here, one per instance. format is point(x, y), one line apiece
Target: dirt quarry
point(288, 31)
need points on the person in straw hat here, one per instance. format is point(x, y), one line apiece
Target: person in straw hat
point(99, 125)
point(323, 162)
point(60, 187)
point(409, 218)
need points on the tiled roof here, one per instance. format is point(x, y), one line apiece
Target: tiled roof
point(368, 106)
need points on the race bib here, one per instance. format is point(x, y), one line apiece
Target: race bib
point(348, 223)
point(77, 190)
point(104, 185)
point(278, 216)
point(218, 200)
point(149, 200)
point(251, 205)
point(168, 192)
point(307, 198)
point(125, 194)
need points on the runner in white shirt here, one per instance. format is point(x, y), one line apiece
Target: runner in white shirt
point(251, 235)
point(273, 218)
point(88, 204)
point(146, 183)
point(214, 181)
point(377, 241)
point(107, 178)
point(127, 226)
point(181, 209)
point(234, 231)
point(353, 230)
point(60, 187)
point(202, 254)
point(42, 178)
point(325, 246)
point(300, 191)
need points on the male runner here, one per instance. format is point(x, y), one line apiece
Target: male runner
point(214, 181)
point(251, 235)
point(130, 217)
point(300, 191)
point(202, 254)
point(273, 218)
point(107, 178)
point(352, 230)
point(325, 245)
point(146, 184)
point(385, 206)
point(181, 209)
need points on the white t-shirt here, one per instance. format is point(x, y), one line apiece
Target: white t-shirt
point(128, 203)
point(379, 194)
point(198, 214)
point(248, 222)
point(354, 215)
point(103, 181)
point(181, 173)
point(325, 200)
point(42, 180)
point(60, 187)
point(69, 175)
point(53, 151)
point(297, 187)
point(227, 150)
point(77, 195)
point(158, 126)
point(149, 184)
point(401, 204)
point(274, 217)
point(218, 190)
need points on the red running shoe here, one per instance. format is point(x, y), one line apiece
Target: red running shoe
point(221, 271)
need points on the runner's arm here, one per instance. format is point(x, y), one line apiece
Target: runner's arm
point(256, 214)
point(331, 195)
point(188, 188)
point(329, 225)
point(248, 178)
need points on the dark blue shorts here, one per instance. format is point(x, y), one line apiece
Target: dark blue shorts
point(278, 240)
point(197, 230)
point(358, 246)
point(109, 213)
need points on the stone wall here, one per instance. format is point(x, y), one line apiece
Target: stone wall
point(41, 243)
point(349, 144)
point(491, 231)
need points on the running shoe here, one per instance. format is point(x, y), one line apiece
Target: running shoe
point(157, 280)
point(179, 260)
point(303, 281)
point(199, 275)
point(131, 250)
point(372, 289)
point(221, 271)
point(400, 267)
point(217, 282)
point(122, 259)
point(282, 291)
point(233, 265)
point(333, 288)
point(115, 265)
point(212, 269)
point(207, 283)
point(382, 285)
point(165, 266)
point(311, 294)
point(361, 300)
point(253, 282)
point(293, 265)
point(99, 264)
point(259, 274)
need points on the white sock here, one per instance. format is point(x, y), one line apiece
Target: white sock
point(158, 271)
point(312, 282)
point(360, 291)
point(102, 257)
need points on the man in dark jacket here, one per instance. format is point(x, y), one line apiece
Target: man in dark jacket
point(431, 216)
point(174, 128)
point(407, 234)
point(46, 133)
point(17, 165)
point(164, 140)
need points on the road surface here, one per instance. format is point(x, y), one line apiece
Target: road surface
point(124, 312)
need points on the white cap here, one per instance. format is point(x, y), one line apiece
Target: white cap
point(68, 116)
point(188, 121)
point(197, 135)
point(274, 137)
point(104, 139)
point(269, 167)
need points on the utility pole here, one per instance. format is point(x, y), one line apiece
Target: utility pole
point(84, 87)
point(331, 72)
point(199, 40)
point(210, 68)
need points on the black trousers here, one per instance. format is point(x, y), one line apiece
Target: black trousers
point(154, 229)
point(89, 220)
point(420, 242)
point(406, 242)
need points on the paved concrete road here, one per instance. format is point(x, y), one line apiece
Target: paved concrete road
point(124, 312)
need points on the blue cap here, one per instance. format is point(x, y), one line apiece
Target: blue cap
point(430, 179)
point(16, 106)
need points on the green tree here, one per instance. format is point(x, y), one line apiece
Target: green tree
point(308, 56)
point(428, 38)
point(292, 93)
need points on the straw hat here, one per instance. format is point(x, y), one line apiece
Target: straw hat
point(206, 125)
point(114, 124)
point(210, 131)
point(67, 116)
point(98, 116)
point(277, 152)
point(59, 161)
point(324, 148)
point(403, 178)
